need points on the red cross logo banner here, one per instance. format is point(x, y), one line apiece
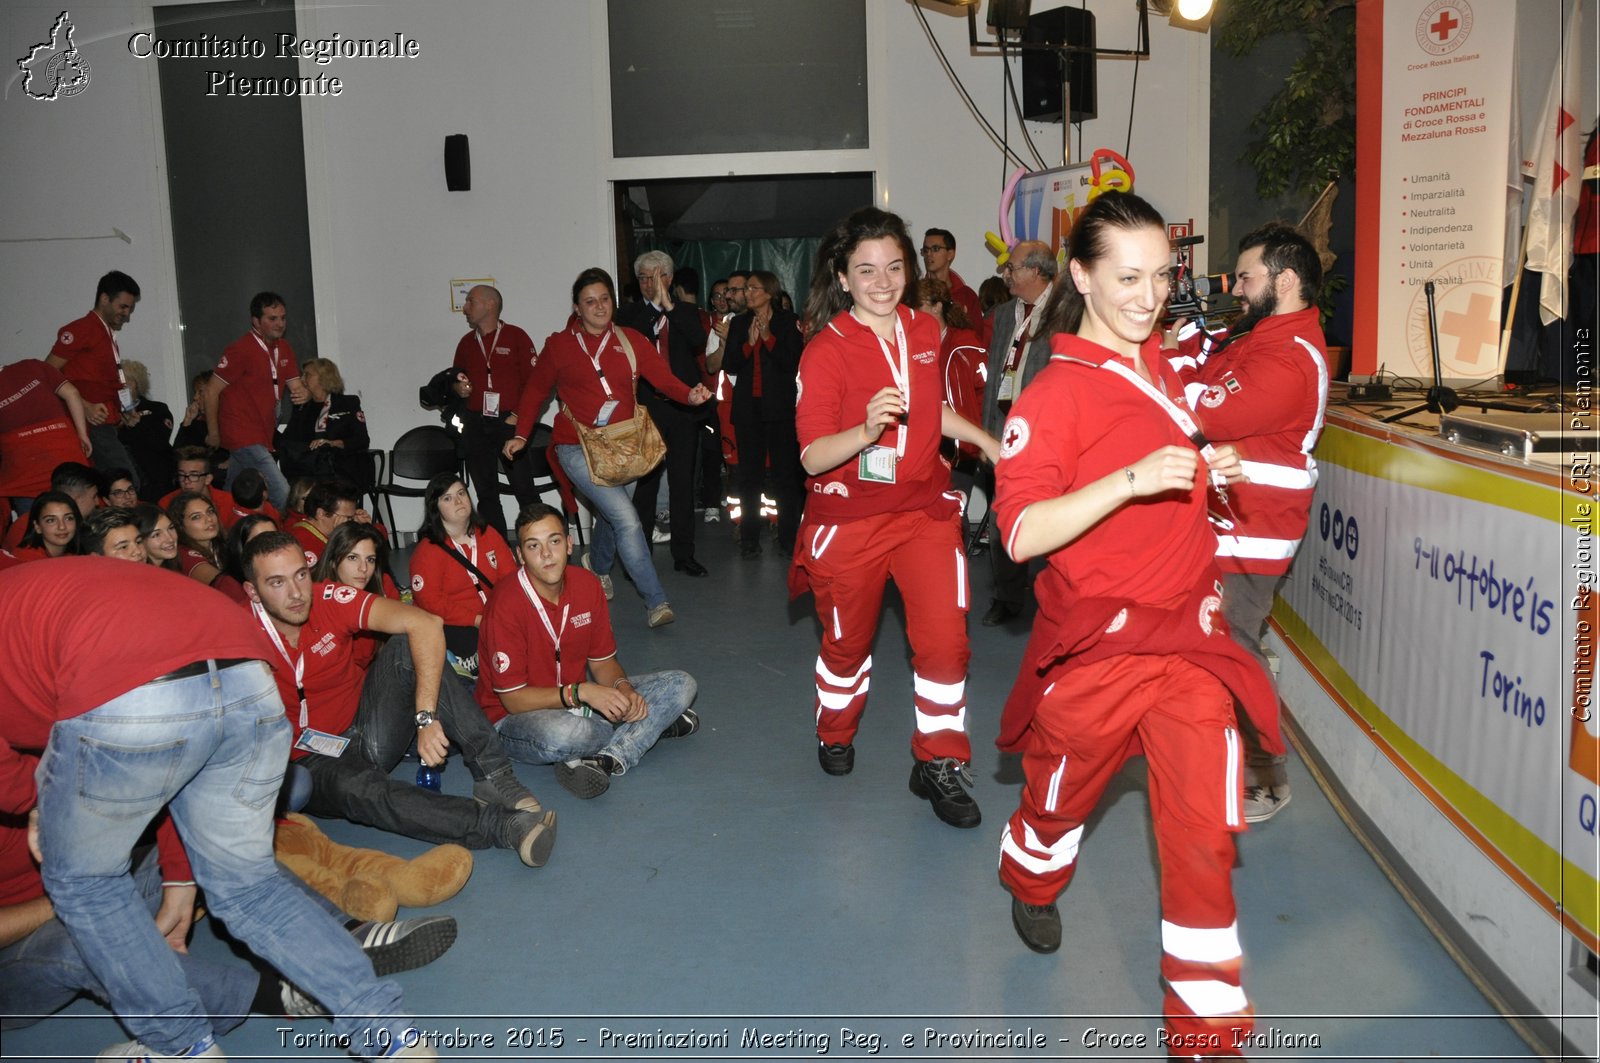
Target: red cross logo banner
point(1444, 26)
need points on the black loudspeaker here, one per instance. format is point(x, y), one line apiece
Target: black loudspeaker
point(1009, 15)
point(1044, 72)
point(458, 162)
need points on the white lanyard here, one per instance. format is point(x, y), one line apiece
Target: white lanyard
point(272, 363)
point(1024, 330)
point(299, 665)
point(538, 605)
point(595, 358)
point(488, 364)
point(116, 351)
point(322, 418)
point(902, 379)
point(1186, 424)
point(472, 541)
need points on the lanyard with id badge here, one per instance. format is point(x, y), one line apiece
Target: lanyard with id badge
point(608, 407)
point(124, 392)
point(491, 397)
point(878, 463)
point(309, 740)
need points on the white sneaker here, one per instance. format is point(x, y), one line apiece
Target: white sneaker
point(606, 585)
point(660, 616)
point(297, 1004)
point(136, 1052)
point(660, 536)
point(1261, 803)
point(713, 516)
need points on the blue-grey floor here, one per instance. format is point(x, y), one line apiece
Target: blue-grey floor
point(727, 884)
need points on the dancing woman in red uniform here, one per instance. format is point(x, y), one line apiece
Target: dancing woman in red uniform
point(870, 415)
point(1103, 472)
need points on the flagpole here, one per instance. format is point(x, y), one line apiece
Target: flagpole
point(1511, 308)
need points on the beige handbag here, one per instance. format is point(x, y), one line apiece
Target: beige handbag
point(620, 453)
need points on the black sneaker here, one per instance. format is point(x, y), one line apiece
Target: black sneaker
point(836, 760)
point(586, 777)
point(404, 944)
point(504, 789)
point(532, 835)
point(683, 726)
point(1038, 925)
point(944, 782)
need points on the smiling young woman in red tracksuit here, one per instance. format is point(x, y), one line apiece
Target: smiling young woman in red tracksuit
point(870, 414)
point(1104, 473)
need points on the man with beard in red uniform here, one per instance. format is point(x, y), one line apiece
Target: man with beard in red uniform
point(87, 353)
point(1265, 390)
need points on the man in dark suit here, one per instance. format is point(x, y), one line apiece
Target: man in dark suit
point(1018, 349)
point(675, 328)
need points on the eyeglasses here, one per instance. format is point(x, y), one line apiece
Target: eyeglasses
point(1011, 267)
point(931, 248)
point(121, 491)
point(187, 476)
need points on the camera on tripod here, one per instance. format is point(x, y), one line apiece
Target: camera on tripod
point(1193, 296)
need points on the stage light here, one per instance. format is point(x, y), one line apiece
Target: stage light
point(1194, 10)
point(1184, 14)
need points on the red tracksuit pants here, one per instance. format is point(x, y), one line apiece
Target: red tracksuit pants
point(847, 566)
point(1182, 717)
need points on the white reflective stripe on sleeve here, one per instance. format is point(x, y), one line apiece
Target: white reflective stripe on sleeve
point(1231, 784)
point(1211, 997)
point(1310, 438)
point(1180, 362)
point(838, 680)
point(929, 724)
point(836, 700)
point(838, 630)
point(1187, 330)
point(1062, 853)
point(939, 693)
point(821, 538)
point(1192, 393)
point(961, 578)
point(1053, 791)
point(1270, 475)
point(1011, 540)
point(1215, 945)
point(1256, 548)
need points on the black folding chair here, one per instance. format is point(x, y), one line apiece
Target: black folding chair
point(419, 455)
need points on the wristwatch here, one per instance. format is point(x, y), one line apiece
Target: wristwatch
point(424, 719)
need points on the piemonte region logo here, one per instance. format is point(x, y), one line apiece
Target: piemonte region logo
point(55, 69)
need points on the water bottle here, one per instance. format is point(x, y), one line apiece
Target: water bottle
point(429, 777)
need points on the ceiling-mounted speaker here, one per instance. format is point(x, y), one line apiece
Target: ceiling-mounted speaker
point(1045, 69)
point(457, 163)
point(1009, 17)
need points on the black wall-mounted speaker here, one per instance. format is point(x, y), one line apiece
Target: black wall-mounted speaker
point(1044, 72)
point(458, 163)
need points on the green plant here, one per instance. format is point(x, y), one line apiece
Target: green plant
point(1308, 127)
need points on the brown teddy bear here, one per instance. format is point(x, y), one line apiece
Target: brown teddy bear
point(366, 883)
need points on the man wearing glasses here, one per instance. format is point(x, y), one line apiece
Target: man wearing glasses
point(938, 255)
point(194, 474)
point(1018, 349)
point(120, 489)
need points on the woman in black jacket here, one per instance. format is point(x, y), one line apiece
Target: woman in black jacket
point(763, 355)
point(327, 436)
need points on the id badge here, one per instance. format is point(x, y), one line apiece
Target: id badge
point(603, 418)
point(125, 399)
point(491, 404)
point(1008, 387)
point(314, 741)
point(876, 465)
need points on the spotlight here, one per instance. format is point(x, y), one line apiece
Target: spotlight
point(1184, 14)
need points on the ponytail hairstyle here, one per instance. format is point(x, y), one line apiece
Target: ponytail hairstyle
point(827, 299)
point(1090, 241)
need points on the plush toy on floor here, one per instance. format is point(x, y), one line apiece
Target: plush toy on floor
point(366, 883)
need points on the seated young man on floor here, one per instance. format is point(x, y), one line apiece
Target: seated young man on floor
point(112, 531)
point(352, 725)
point(328, 505)
point(196, 471)
point(41, 971)
point(549, 676)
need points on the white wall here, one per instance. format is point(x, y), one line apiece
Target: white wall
point(527, 82)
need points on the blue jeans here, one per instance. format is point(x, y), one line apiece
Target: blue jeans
point(546, 736)
point(212, 749)
point(617, 530)
point(259, 458)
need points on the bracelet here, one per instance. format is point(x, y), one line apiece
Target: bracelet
point(1129, 471)
point(577, 702)
point(618, 684)
point(561, 692)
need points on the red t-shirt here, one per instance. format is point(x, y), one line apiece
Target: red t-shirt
point(247, 414)
point(90, 351)
point(1075, 423)
point(963, 362)
point(566, 366)
point(497, 362)
point(327, 643)
point(76, 661)
point(444, 587)
point(221, 501)
point(515, 649)
point(311, 540)
point(36, 434)
point(842, 368)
